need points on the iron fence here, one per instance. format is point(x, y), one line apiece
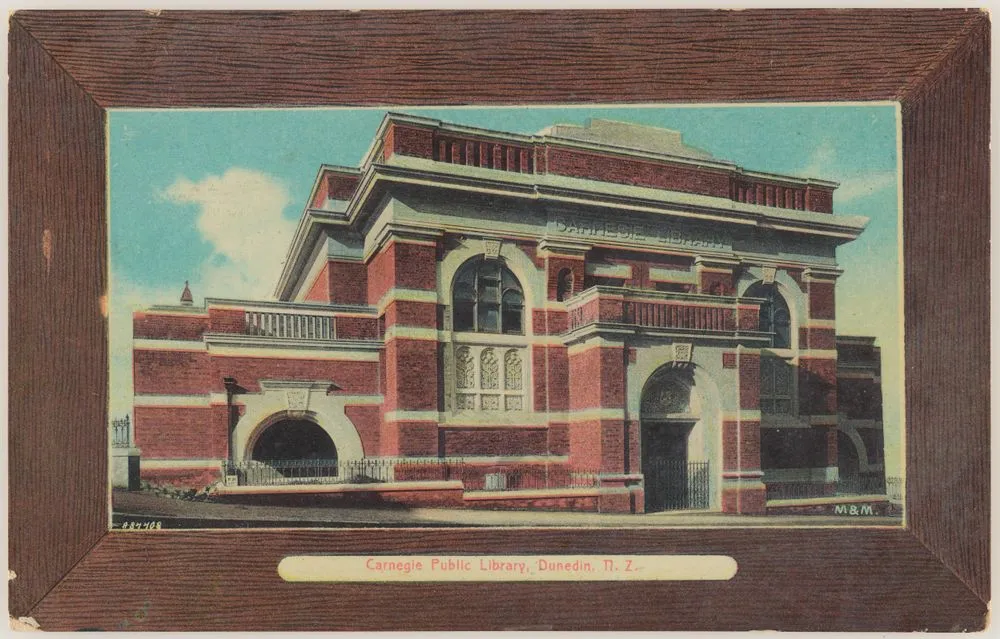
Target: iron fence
point(849, 485)
point(121, 432)
point(676, 485)
point(475, 477)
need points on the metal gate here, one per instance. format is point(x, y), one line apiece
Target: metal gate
point(676, 485)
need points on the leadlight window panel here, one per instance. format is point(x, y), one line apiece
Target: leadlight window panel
point(487, 298)
point(774, 314)
point(776, 386)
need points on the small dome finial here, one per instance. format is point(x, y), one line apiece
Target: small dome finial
point(186, 298)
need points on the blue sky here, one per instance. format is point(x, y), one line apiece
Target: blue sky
point(186, 185)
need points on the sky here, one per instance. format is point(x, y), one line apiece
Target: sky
point(213, 196)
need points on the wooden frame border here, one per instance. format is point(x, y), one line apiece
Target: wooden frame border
point(67, 68)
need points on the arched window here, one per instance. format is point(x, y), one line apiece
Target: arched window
point(564, 285)
point(487, 299)
point(774, 315)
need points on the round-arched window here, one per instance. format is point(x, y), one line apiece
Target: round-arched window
point(774, 315)
point(487, 298)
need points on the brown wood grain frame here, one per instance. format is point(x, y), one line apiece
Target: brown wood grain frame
point(68, 68)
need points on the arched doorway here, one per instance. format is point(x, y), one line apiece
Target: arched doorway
point(292, 449)
point(848, 465)
point(671, 479)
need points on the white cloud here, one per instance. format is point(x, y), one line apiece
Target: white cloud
point(240, 215)
point(853, 184)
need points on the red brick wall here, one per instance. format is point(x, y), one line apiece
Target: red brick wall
point(558, 439)
point(724, 281)
point(403, 313)
point(340, 186)
point(558, 390)
point(178, 431)
point(357, 327)
point(197, 478)
point(585, 444)
point(153, 326)
point(749, 381)
point(641, 263)
point(663, 175)
point(336, 186)
point(172, 372)
point(596, 378)
point(574, 504)
point(831, 446)
point(538, 376)
point(498, 441)
point(351, 377)
point(749, 317)
point(741, 445)
point(819, 199)
point(416, 266)
point(402, 265)
point(348, 282)
point(381, 271)
point(821, 300)
point(319, 290)
point(221, 320)
point(410, 140)
point(729, 359)
point(555, 265)
point(417, 439)
point(612, 445)
point(817, 386)
point(747, 500)
point(411, 369)
point(817, 338)
point(368, 422)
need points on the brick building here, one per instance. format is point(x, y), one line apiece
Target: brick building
point(595, 317)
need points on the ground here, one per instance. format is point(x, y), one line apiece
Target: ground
point(137, 509)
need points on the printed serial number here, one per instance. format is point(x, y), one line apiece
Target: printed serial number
point(139, 525)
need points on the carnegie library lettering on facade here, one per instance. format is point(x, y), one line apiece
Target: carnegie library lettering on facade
point(596, 318)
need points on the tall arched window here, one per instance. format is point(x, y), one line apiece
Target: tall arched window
point(774, 315)
point(487, 298)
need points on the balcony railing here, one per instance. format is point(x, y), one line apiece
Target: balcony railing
point(290, 325)
point(654, 309)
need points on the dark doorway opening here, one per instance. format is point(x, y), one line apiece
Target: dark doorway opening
point(671, 482)
point(294, 439)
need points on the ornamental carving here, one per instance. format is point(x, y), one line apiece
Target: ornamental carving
point(669, 396)
point(490, 402)
point(465, 368)
point(489, 369)
point(512, 370)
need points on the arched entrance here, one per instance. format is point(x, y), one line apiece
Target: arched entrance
point(672, 479)
point(848, 464)
point(291, 450)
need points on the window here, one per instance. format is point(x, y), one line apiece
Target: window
point(489, 379)
point(488, 299)
point(774, 315)
point(564, 285)
point(776, 386)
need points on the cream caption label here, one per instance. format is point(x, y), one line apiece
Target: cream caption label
point(396, 568)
